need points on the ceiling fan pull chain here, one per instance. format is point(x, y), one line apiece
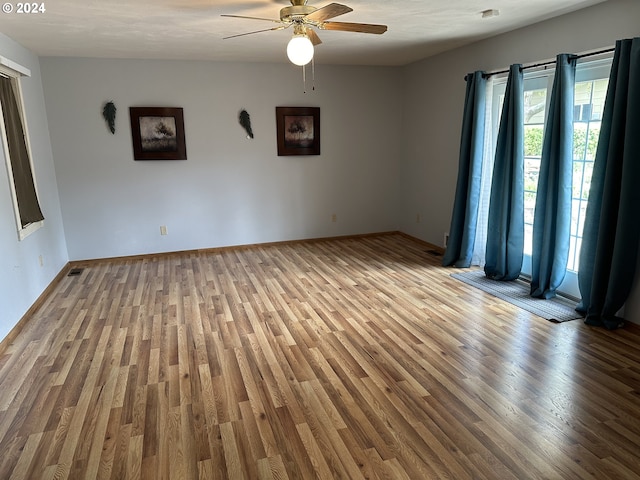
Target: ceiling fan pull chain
point(304, 79)
point(313, 75)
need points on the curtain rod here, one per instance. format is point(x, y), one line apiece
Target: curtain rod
point(551, 62)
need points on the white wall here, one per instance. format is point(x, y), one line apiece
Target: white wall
point(231, 190)
point(22, 279)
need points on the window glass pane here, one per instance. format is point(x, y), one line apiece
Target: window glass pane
point(579, 140)
point(578, 172)
point(531, 173)
point(535, 102)
point(530, 203)
point(528, 239)
point(599, 95)
point(583, 211)
point(572, 253)
point(533, 140)
point(575, 212)
point(586, 181)
point(592, 140)
point(582, 109)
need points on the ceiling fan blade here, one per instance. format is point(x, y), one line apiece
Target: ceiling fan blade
point(313, 36)
point(282, 27)
point(328, 11)
point(354, 27)
point(253, 18)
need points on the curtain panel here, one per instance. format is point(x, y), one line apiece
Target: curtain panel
point(505, 236)
point(552, 217)
point(462, 231)
point(478, 257)
point(611, 235)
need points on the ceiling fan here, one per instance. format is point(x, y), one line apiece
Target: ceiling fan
point(304, 18)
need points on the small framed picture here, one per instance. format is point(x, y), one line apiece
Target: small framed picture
point(298, 130)
point(158, 133)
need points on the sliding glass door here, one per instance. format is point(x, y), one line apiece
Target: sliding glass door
point(590, 91)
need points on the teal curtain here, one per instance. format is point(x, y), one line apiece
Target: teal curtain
point(552, 217)
point(611, 235)
point(462, 232)
point(505, 236)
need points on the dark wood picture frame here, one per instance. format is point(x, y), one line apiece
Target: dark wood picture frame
point(158, 133)
point(298, 130)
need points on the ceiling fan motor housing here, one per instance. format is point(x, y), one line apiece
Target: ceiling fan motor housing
point(295, 12)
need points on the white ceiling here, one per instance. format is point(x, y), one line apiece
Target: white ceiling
point(193, 29)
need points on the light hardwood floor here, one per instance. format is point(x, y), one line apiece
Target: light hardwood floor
point(349, 358)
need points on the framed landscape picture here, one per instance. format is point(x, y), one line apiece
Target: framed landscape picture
point(158, 133)
point(298, 130)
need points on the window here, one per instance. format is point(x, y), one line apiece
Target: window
point(592, 78)
point(17, 152)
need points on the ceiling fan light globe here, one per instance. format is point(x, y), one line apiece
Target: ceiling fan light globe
point(300, 50)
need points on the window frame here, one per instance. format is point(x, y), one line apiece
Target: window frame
point(14, 72)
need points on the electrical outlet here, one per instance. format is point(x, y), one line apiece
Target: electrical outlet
point(163, 229)
point(417, 218)
point(446, 239)
point(334, 218)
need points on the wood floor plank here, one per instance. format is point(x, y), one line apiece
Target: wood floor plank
point(353, 358)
